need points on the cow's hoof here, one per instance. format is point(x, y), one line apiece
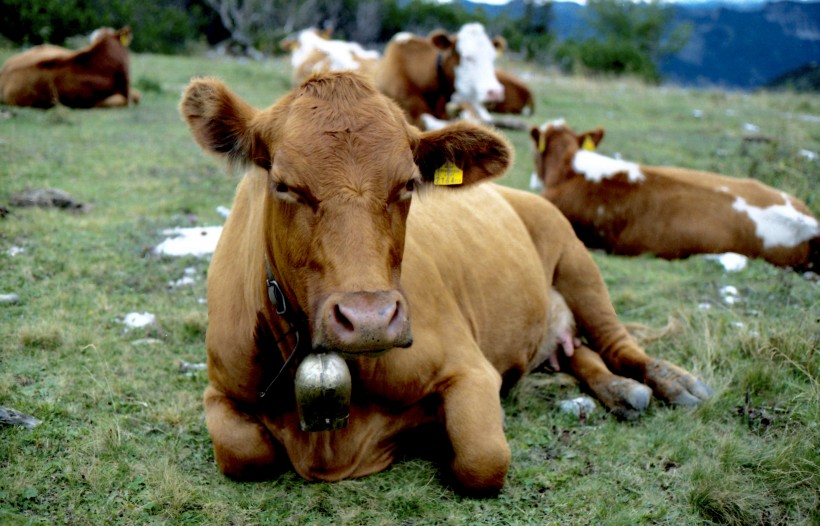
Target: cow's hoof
point(674, 385)
point(623, 397)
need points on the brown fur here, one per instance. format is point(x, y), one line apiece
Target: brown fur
point(673, 213)
point(94, 76)
point(409, 75)
point(517, 96)
point(327, 200)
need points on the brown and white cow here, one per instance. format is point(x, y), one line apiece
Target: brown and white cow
point(517, 96)
point(95, 76)
point(326, 229)
point(424, 74)
point(312, 51)
point(629, 209)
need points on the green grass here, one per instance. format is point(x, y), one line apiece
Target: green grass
point(123, 439)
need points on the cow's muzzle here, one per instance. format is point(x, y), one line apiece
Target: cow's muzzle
point(363, 322)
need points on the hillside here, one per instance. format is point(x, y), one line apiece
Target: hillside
point(732, 46)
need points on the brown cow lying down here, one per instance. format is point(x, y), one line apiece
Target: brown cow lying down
point(627, 208)
point(95, 76)
point(517, 96)
point(313, 51)
point(323, 231)
point(424, 74)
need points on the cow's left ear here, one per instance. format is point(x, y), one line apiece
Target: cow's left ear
point(125, 36)
point(596, 136)
point(220, 122)
point(462, 154)
point(441, 39)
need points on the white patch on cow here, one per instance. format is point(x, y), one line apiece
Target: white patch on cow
point(555, 124)
point(779, 225)
point(431, 123)
point(599, 210)
point(137, 320)
point(341, 55)
point(475, 80)
point(404, 36)
point(536, 184)
point(730, 261)
point(722, 189)
point(197, 241)
point(597, 167)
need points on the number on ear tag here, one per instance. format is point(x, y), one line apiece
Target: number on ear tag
point(447, 175)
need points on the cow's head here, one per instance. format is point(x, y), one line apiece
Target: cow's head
point(471, 59)
point(341, 167)
point(555, 146)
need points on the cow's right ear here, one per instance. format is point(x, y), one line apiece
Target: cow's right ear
point(539, 138)
point(462, 154)
point(220, 122)
point(441, 39)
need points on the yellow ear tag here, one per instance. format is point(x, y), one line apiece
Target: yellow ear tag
point(449, 174)
point(124, 40)
point(588, 145)
point(542, 142)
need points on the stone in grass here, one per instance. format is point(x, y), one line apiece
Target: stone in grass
point(47, 198)
point(583, 405)
point(10, 417)
point(9, 299)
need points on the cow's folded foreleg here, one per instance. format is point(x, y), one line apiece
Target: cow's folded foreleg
point(243, 447)
point(474, 424)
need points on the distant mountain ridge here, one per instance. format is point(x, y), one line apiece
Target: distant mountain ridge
point(732, 46)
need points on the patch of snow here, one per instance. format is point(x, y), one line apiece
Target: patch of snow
point(137, 320)
point(730, 261)
point(195, 241)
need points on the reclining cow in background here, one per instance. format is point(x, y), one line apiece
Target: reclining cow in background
point(424, 74)
point(327, 250)
point(517, 96)
point(630, 209)
point(47, 75)
point(312, 51)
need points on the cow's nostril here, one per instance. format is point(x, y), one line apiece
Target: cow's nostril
point(341, 319)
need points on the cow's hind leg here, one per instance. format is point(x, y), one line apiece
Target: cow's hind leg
point(624, 397)
point(243, 447)
point(578, 279)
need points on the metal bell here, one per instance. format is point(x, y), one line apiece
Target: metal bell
point(323, 387)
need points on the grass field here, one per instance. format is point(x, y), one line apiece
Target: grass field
point(123, 439)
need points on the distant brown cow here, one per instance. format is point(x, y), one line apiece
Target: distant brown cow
point(327, 250)
point(424, 74)
point(94, 76)
point(312, 51)
point(627, 208)
point(517, 96)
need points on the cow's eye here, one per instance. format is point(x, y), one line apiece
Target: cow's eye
point(284, 193)
point(407, 191)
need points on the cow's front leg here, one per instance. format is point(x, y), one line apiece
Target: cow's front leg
point(475, 427)
point(243, 447)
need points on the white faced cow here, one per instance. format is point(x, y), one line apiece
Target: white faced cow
point(424, 74)
point(435, 301)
